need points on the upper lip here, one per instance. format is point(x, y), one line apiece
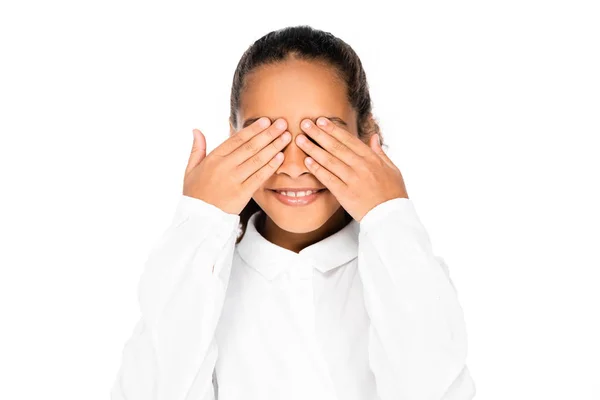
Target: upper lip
point(304, 189)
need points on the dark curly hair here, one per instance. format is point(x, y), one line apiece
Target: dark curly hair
point(305, 43)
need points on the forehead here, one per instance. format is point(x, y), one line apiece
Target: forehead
point(295, 89)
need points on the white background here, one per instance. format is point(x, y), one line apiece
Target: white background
point(491, 111)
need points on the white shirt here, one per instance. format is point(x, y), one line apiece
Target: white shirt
point(367, 313)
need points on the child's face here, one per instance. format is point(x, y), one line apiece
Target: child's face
point(294, 90)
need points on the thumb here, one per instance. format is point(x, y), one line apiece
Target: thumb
point(198, 150)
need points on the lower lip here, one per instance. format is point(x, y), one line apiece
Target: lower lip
point(298, 201)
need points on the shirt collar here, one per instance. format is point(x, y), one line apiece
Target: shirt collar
point(270, 260)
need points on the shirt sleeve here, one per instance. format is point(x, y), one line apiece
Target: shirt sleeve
point(172, 351)
point(417, 333)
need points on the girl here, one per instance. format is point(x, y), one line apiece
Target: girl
point(330, 289)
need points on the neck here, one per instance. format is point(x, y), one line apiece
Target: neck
point(298, 241)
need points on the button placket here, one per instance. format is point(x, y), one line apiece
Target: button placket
point(302, 287)
point(302, 294)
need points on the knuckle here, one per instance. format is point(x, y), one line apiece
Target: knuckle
point(279, 143)
point(272, 132)
point(347, 139)
point(338, 146)
point(275, 147)
point(272, 163)
point(249, 147)
point(257, 160)
point(237, 140)
point(329, 179)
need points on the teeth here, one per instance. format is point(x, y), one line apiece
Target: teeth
point(297, 194)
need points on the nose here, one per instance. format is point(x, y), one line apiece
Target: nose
point(293, 160)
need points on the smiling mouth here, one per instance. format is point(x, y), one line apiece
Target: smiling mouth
point(314, 191)
point(304, 198)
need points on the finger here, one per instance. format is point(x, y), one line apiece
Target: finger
point(242, 137)
point(349, 139)
point(331, 144)
point(332, 182)
point(198, 150)
point(375, 145)
point(251, 165)
point(258, 142)
point(256, 180)
point(333, 164)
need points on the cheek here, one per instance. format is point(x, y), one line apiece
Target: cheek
point(260, 194)
point(330, 200)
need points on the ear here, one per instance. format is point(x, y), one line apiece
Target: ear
point(372, 129)
point(375, 145)
point(375, 142)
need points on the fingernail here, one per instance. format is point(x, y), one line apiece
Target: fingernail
point(301, 139)
point(264, 122)
point(280, 124)
point(322, 121)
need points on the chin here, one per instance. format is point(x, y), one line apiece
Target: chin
point(290, 223)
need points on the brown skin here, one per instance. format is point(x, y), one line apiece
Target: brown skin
point(295, 90)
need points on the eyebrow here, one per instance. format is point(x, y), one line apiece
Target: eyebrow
point(249, 121)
